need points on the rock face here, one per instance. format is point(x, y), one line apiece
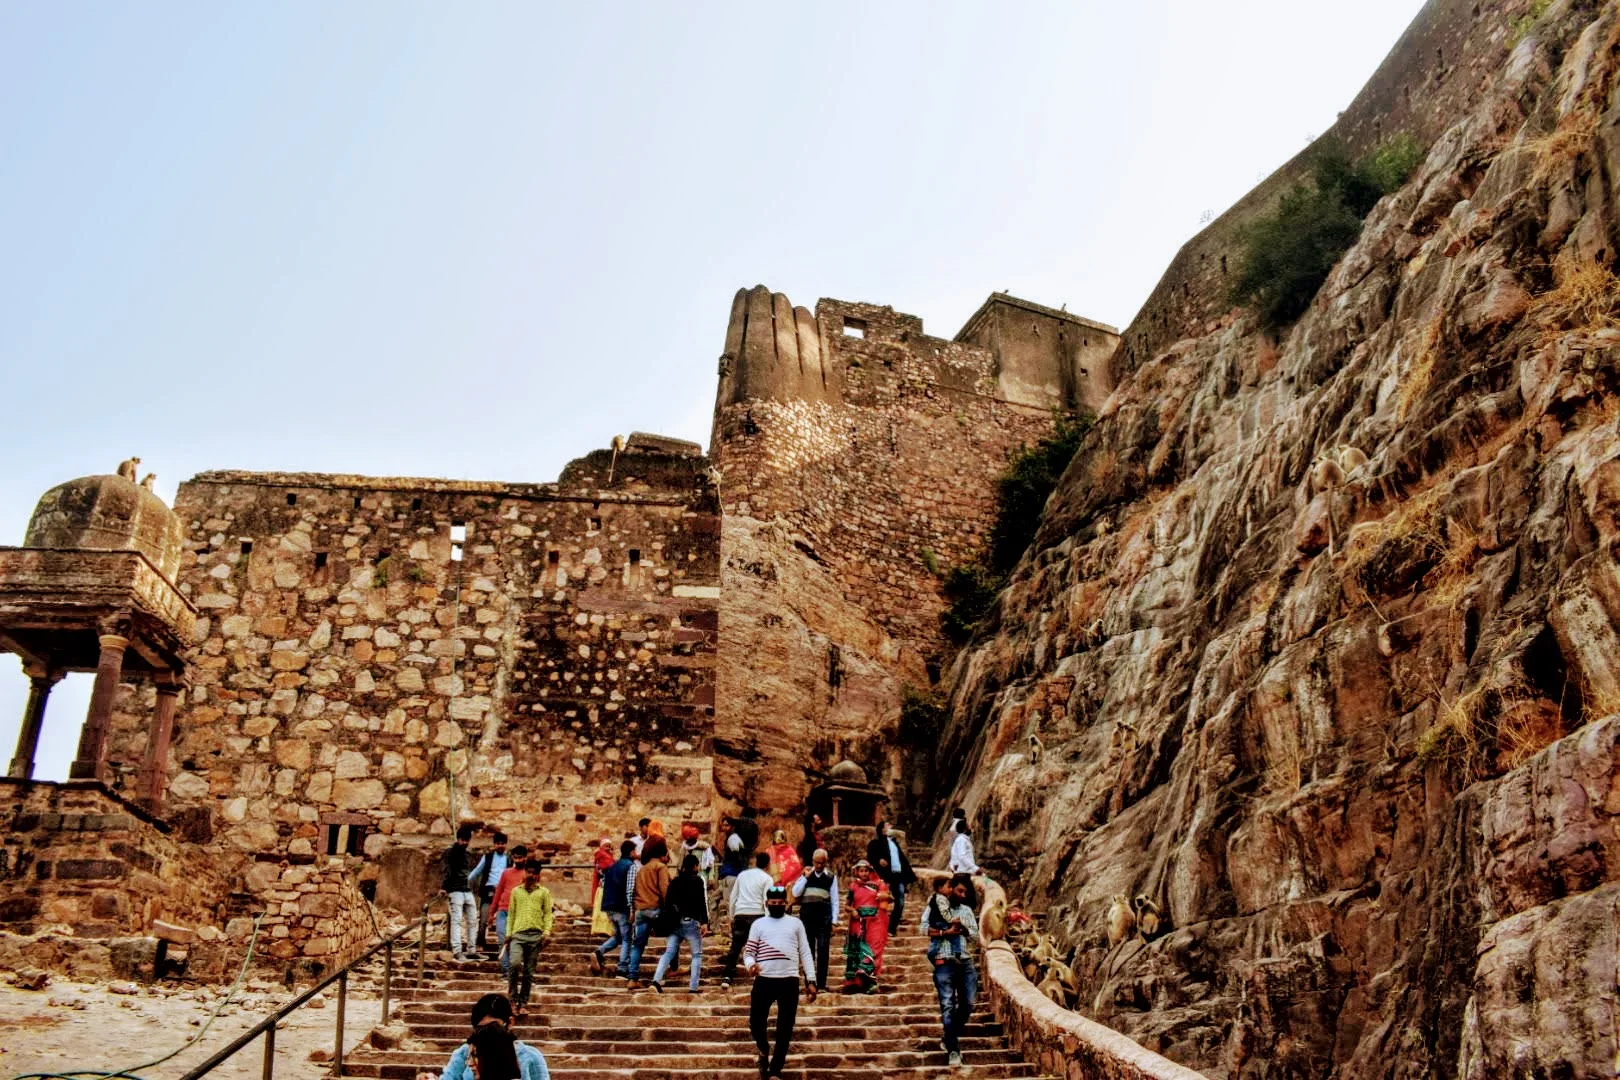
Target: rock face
point(1357, 743)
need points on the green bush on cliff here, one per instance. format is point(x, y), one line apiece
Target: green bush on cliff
point(922, 717)
point(1031, 476)
point(971, 591)
point(1287, 254)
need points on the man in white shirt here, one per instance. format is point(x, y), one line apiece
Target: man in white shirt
point(777, 952)
point(747, 908)
point(962, 860)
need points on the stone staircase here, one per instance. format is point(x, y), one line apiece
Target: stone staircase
point(590, 1027)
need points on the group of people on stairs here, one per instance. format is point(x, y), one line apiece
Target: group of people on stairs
point(635, 897)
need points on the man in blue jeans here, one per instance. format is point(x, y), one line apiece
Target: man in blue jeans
point(652, 885)
point(616, 906)
point(956, 980)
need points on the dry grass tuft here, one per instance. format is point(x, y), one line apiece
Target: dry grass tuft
point(1563, 145)
point(1415, 518)
point(1458, 546)
point(1524, 728)
point(1421, 373)
point(1585, 296)
point(1452, 735)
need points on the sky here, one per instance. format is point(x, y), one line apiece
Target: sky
point(477, 241)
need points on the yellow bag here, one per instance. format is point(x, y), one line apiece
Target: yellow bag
point(600, 923)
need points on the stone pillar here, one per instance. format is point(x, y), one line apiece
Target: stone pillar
point(91, 763)
point(40, 681)
point(154, 767)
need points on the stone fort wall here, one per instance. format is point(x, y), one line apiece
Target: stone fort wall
point(858, 458)
point(359, 688)
point(882, 453)
point(384, 658)
point(1445, 59)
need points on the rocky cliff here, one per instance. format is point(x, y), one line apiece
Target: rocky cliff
point(1353, 729)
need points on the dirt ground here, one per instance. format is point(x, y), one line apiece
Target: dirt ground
point(75, 1026)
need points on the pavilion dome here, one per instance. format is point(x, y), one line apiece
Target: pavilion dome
point(108, 513)
point(847, 772)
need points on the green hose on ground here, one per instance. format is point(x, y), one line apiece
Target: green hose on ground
point(133, 1072)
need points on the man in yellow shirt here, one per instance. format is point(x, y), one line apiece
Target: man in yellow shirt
point(529, 919)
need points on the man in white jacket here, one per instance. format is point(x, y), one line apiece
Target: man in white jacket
point(778, 950)
point(747, 908)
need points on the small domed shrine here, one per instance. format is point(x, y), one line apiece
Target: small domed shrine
point(93, 589)
point(847, 798)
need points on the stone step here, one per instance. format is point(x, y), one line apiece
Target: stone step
point(593, 1027)
point(824, 1028)
point(742, 1044)
point(804, 1063)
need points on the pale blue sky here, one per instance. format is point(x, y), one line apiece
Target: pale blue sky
point(479, 240)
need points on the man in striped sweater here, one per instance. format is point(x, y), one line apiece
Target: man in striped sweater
point(777, 951)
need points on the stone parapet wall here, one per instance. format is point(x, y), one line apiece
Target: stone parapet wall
point(1062, 1042)
point(75, 856)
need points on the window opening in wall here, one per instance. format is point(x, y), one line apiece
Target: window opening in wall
point(416, 504)
point(320, 560)
point(553, 558)
point(292, 499)
point(357, 502)
point(855, 328)
point(635, 556)
point(596, 524)
point(346, 839)
point(247, 547)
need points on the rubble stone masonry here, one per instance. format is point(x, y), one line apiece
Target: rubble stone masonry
point(360, 687)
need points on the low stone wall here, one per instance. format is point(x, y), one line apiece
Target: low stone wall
point(91, 883)
point(313, 913)
point(1062, 1043)
point(74, 855)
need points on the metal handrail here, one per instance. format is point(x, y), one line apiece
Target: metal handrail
point(267, 1026)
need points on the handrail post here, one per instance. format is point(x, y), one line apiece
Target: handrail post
point(421, 955)
point(343, 999)
point(269, 1052)
point(388, 978)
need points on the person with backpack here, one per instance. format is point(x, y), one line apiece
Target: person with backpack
point(484, 879)
point(685, 917)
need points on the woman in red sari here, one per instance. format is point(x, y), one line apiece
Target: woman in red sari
point(869, 903)
point(785, 862)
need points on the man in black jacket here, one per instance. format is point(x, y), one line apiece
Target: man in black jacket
point(889, 859)
point(458, 863)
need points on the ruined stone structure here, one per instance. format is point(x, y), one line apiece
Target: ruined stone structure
point(361, 663)
point(383, 658)
point(858, 458)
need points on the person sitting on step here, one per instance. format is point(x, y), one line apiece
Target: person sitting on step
point(495, 1011)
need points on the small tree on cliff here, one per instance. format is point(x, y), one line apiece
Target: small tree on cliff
point(1288, 253)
